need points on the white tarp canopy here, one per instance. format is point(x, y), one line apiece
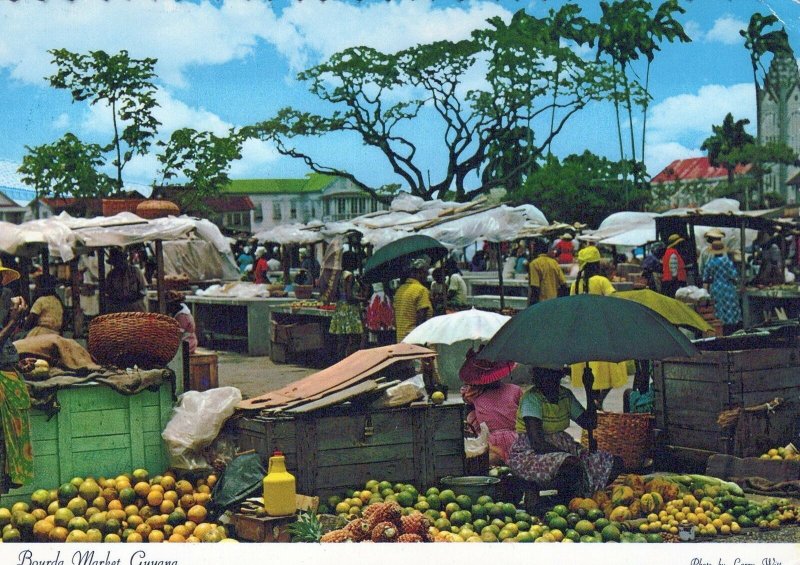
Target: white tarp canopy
point(287, 234)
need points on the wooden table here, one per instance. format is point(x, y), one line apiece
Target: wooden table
point(755, 301)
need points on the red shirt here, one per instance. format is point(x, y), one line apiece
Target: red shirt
point(666, 274)
point(564, 251)
point(260, 271)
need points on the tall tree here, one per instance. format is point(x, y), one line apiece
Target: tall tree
point(758, 42)
point(502, 126)
point(125, 85)
point(202, 158)
point(67, 167)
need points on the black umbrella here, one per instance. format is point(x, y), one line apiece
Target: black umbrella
point(583, 328)
point(389, 261)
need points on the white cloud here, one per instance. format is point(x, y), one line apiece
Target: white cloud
point(178, 34)
point(692, 114)
point(61, 122)
point(693, 30)
point(659, 155)
point(726, 30)
point(309, 31)
point(255, 155)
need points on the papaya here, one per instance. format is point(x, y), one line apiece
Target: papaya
point(650, 502)
point(636, 482)
point(620, 514)
point(574, 504)
point(622, 495)
point(601, 498)
point(635, 508)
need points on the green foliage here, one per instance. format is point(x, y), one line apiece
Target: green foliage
point(122, 83)
point(67, 167)
point(726, 145)
point(758, 41)
point(582, 187)
point(493, 134)
point(202, 158)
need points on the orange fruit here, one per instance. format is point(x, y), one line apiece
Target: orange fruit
point(156, 536)
point(155, 498)
point(143, 530)
point(176, 538)
point(142, 489)
point(58, 534)
point(187, 501)
point(211, 480)
point(167, 506)
point(115, 505)
point(134, 538)
point(168, 482)
point(197, 514)
point(172, 496)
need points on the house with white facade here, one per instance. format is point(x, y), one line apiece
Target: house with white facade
point(17, 196)
point(316, 197)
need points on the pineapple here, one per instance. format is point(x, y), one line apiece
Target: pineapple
point(416, 523)
point(386, 512)
point(359, 529)
point(337, 536)
point(384, 532)
point(306, 529)
point(410, 538)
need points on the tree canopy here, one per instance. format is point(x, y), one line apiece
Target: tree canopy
point(532, 85)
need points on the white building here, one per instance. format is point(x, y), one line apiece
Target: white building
point(779, 119)
point(315, 197)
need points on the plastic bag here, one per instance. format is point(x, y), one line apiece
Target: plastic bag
point(404, 393)
point(691, 294)
point(195, 423)
point(475, 446)
point(241, 479)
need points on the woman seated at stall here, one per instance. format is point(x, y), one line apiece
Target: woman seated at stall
point(178, 310)
point(544, 451)
point(491, 402)
point(46, 316)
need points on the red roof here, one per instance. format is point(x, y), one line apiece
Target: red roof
point(696, 168)
point(230, 204)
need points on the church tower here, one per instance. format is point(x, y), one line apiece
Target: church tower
point(779, 119)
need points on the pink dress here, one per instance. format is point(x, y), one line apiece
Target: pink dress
point(495, 404)
point(186, 322)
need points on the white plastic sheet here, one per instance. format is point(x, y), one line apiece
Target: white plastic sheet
point(236, 290)
point(286, 234)
point(195, 423)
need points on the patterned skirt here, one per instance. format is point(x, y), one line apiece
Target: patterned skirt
point(346, 319)
point(543, 467)
point(14, 407)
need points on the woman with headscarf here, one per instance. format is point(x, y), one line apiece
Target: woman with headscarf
point(261, 267)
point(47, 313)
point(673, 267)
point(346, 321)
point(720, 277)
point(544, 451)
point(607, 375)
point(564, 249)
point(491, 402)
point(456, 285)
point(15, 403)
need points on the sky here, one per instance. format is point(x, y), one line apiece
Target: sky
point(230, 64)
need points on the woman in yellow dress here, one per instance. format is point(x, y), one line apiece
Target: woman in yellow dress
point(607, 375)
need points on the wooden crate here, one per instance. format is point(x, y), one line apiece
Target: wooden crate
point(203, 370)
point(269, 529)
point(690, 394)
point(342, 447)
point(97, 432)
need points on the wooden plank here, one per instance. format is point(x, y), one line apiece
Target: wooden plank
point(364, 454)
point(691, 439)
point(335, 398)
point(136, 427)
point(92, 398)
point(41, 427)
point(102, 422)
point(336, 479)
point(307, 453)
point(726, 466)
point(350, 432)
point(760, 359)
point(421, 461)
point(151, 418)
point(64, 417)
point(768, 379)
point(46, 447)
point(162, 303)
point(105, 443)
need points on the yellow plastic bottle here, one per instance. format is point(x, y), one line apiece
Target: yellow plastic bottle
point(279, 488)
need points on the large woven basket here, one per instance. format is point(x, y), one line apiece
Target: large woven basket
point(627, 435)
point(126, 339)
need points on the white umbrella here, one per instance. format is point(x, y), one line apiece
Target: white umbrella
point(467, 325)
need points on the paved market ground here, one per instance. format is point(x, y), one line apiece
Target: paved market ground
point(257, 375)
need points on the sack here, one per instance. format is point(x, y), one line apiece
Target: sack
point(477, 446)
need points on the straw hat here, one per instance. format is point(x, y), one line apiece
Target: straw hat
point(674, 240)
point(172, 296)
point(567, 237)
point(590, 254)
point(714, 233)
point(8, 275)
point(718, 248)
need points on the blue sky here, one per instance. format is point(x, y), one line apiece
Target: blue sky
point(234, 63)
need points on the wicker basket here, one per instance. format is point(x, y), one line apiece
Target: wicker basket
point(126, 339)
point(626, 435)
point(152, 209)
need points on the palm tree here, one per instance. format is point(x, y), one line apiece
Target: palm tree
point(726, 145)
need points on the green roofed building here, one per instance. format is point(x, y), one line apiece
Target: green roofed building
point(289, 201)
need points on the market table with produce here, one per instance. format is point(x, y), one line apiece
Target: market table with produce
point(759, 304)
